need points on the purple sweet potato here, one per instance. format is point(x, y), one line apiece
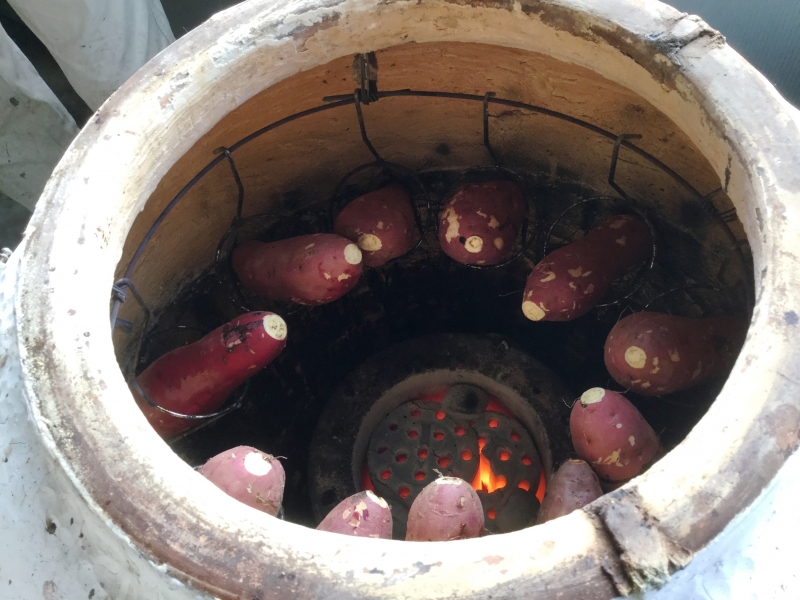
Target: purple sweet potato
point(611, 435)
point(308, 269)
point(446, 509)
point(481, 222)
point(573, 486)
point(380, 222)
point(569, 281)
point(248, 475)
point(656, 353)
point(197, 379)
point(363, 515)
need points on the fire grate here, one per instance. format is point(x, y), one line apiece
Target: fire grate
point(420, 441)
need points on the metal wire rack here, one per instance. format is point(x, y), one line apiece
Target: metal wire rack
point(364, 94)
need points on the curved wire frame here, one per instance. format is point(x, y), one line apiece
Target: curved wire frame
point(638, 278)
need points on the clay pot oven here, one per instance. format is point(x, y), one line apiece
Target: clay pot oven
point(624, 67)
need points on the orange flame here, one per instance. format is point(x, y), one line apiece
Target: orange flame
point(485, 479)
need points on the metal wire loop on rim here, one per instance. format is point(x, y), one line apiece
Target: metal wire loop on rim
point(224, 411)
point(695, 286)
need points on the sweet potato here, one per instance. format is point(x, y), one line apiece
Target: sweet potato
point(655, 353)
point(248, 475)
point(611, 435)
point(480, 223)
point(446, 509)
point(309, 269)
point(381, 223)
point(197, 378)
point(573, 486)
point(363, 515)
point(568, 282)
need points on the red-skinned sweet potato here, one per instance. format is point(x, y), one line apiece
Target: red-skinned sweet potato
point(656, 353)
point(573, 486)
point(568, 282)
point(196, 379)
point(380, 222)
point(250, 476)
point(308, 269)
point(611, 435)
point(480, 223)
point(363, 515)
point(446, 509)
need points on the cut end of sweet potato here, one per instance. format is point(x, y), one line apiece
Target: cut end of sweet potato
point(352, 254)
point(275, 327)
point(533, 311)
point(474, 244)
point(258, 463)
point(369, 242)
point(377, 499)
point(636, 357)
point(592, 396)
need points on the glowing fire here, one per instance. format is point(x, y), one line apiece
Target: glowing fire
point(485, 479)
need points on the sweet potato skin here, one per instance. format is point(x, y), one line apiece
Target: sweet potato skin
point(569, 281)
point(308, 269)
point(380, 222)
point(611, 435)
point(480, 223)
point(573, 486)
point(655, 353)
point(446, 509)
point(362, 515)
point(197, 378)
point(250, 476)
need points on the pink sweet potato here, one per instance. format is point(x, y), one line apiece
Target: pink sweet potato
point(363, 515)
point(196, 379)
point(611, 435)
point(309, 269)
point(381, 223)
point(480, 223)
point(248, 475)
point(573, 486)
point(568, 282)
point(656, 353)
point(446, 509)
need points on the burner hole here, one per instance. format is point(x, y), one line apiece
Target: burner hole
point(438, 435)
point(415, 413)
point(501, 481)
point(444, 461)
point(524, 484)
point(404, 492)
point(466, 455)
point(493, 423)
point(440, 414)
point(401, 458)
point(385, 474)
point(393, 427)
point(526, 460)
point(423, 453)
point(329, 496)
point(491, 513)
point(515, 436)
point(413, 433)
point(459, 431)
point(419, 475)
point(505, 455)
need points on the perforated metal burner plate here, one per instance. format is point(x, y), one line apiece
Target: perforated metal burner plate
point(419, 441)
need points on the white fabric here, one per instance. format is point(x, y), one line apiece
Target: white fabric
point(98, 44)
point(35, 128)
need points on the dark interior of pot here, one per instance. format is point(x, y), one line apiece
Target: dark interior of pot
point(549, 126)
